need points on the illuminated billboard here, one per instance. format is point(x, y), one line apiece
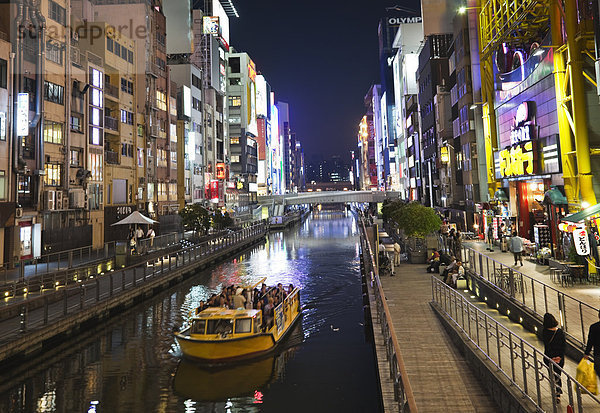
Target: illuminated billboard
point(187, 101)
point(261, 96)
point(251, 70)
point(210, 25)
point(219, 11)
point(23, 114)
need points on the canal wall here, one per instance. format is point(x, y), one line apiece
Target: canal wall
point(67, 312)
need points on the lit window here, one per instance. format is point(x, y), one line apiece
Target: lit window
point(95, 165)
point(53, 132)
point(235, 101)
point(52, 174)
point(234, 141)
point(161, 100)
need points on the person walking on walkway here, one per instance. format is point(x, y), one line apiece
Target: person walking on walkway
point(554, 348)
point(594, 341)
point(396, 253)
point(490, 238)
point(516, 246)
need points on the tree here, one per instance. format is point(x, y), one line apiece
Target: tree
point(195, 218)
point(222, 220)
point(414, 219)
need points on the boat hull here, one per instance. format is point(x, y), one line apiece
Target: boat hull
point(224, 350)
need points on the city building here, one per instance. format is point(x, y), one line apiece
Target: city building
point(243, 128)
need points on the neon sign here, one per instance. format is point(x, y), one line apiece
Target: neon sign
point(517, 160)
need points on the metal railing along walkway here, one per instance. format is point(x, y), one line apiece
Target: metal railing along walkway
point(402, 390)
point(575, 316)
point(38, 312)
point(527, 368)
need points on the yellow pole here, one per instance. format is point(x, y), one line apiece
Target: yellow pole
point(566, 142)
point(582, 143)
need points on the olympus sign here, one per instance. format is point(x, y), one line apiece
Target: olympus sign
point(394, 21)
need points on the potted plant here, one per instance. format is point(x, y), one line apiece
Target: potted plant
point(416, 222)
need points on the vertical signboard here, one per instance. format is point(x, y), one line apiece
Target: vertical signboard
point(23, 114)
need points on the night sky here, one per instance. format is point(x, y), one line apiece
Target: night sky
point(320, 57)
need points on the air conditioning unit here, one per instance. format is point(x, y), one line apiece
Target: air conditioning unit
point(19, 212)
point(77, 198)
point(49, 200)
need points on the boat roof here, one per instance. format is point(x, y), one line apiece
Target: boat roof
point(220, 312)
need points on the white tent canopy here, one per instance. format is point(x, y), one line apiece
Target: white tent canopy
point(135, 218)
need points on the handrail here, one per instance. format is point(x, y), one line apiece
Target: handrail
point(574, 315)
point(520, 362)
point(67, 280)
point(403, 391)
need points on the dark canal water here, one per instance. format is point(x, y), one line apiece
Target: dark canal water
point(132, 364)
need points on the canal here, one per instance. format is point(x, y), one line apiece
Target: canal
point(132, 364)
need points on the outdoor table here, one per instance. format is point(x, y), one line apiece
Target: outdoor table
point(578, 272)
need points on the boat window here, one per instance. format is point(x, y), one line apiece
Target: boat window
point(243, 325)
point(220, 326)
point(198, 326)
point(257, 323)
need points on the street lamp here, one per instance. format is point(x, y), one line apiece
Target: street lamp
point(463, 9)
point(475, 104)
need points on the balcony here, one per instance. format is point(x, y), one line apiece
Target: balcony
point(111, 124)
point(111, 91)
point(111, 158)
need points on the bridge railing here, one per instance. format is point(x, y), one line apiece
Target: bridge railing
point(402, 390)
point(525, 367)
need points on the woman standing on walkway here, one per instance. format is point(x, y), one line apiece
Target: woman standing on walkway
point(554, 349)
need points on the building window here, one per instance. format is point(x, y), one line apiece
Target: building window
point(161, 100)
point(117, 49)
point(140, 157)
point(235, 158)
point(3, 126)
point(3, 73)
point(53, 132)
point(109, 44)
point(95, 166)
point(196, 104)
point(3, 185)
point(160, 63)
point(161, 158)
point(126, 117)
point(54, 93)
point(124, 51)
point(234, 141)
point(76, 123)
point(54, 52)
point(196, 82)
point(52, 174)
point(126, 86)
point(173, 191)
point(235, 101)
point(56, 12)
point(95, 196)
point(234, 64)
point(129, 56)
point(235, 81)
point(75, 157)
point(173, 159)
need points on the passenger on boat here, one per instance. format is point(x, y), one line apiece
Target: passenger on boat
point(268, 313)
point(290, 288)
point(238, 300)
point(201, 307)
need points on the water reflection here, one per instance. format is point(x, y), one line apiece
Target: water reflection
point(128, 364)
point(203, 383)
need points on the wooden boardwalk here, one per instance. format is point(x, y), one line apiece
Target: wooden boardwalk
point(439, 375)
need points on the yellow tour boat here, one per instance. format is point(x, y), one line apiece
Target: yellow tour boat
point(219, 334)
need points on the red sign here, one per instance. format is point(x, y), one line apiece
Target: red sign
point(221, 172)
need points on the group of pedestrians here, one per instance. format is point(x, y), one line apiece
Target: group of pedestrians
point(387, 263)
point(136, 235)
point(452, 238)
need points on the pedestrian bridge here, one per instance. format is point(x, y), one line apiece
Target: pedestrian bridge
point(327, 197)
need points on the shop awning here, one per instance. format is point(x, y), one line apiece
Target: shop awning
point(135, 218)
point(554, 197)
point(581, 215)
point(500, 195)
